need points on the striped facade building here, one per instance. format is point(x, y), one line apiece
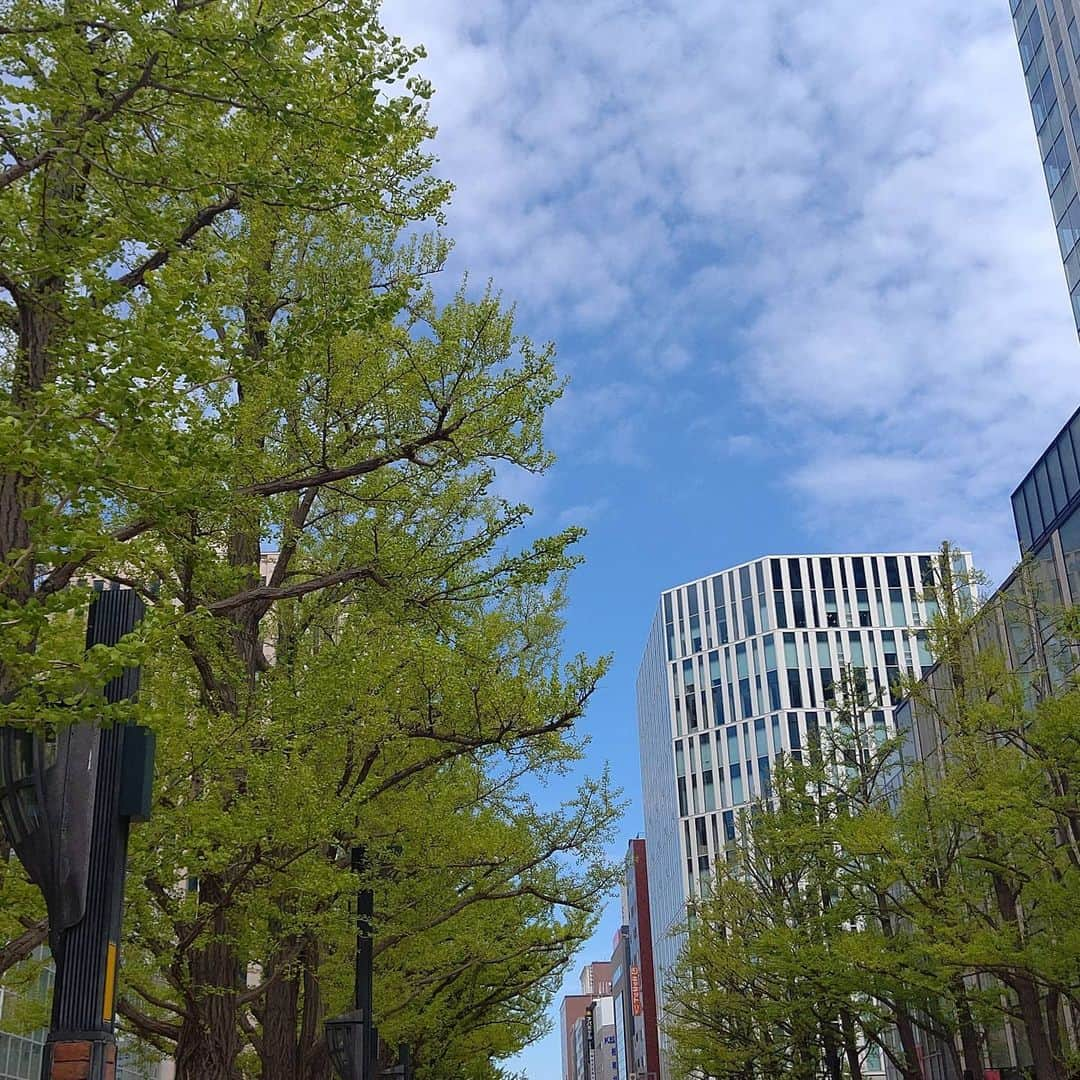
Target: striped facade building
point(738, 670)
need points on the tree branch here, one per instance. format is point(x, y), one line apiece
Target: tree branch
point(267, 594)
point(405, 452)
point(137, 276)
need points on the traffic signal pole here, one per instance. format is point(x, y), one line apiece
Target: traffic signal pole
point(82, 1040)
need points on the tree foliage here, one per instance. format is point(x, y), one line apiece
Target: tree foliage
point(221, 335)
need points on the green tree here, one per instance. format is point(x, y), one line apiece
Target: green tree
point(218, 333)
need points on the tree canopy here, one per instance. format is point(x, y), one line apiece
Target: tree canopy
point(230, 380)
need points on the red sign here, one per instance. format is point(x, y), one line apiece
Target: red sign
point(635, 990)
point(991, 1074)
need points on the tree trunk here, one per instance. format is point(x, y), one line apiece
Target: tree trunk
point(905, 1026)
point(280, 1015)
point(210, 1040)
point(851, 1044)
point(834, 1068)
point(1029, 1000)
point(969, 1035)
point(314, 1059)
point(1053, 1026)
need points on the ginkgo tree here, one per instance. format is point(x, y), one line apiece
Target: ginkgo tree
point(220, 335)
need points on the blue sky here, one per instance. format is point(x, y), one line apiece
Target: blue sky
point(799, 264)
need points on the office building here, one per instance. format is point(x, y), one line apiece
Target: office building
point(643, 1041)
point(578, 1020)
point(739, 669)
point(621, 995)
point(1048, 33)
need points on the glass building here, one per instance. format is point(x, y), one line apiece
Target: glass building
point(1048, 32)
point(21, 1054)
point(739, 669)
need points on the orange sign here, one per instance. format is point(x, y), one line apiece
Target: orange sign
point(635, 990)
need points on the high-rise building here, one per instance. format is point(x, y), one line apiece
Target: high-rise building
point(1048, 32)
point(739, 669)
point(643, 1045)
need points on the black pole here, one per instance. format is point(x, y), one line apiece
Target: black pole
point(82, 1039)
point(363, 991)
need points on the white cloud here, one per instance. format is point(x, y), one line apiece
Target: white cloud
point(825, 221)
point(849, 192)
point(583, 513)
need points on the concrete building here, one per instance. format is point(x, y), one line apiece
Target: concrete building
point(571, 1012)
point(578, 1017)
point(643, 1044)
point(621, 995)
point(738, 669)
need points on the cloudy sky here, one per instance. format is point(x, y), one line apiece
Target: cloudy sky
point(799, 264)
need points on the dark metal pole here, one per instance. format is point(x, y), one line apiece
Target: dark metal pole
point(82, 1040)
point(364, 987)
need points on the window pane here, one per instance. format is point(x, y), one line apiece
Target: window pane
point(1069, 468)
point(1057, 479)
point(1070, 545)
point(1023, 529)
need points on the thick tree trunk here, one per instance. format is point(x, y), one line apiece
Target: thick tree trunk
point(280, 1015)
point(20, 493)
point(1043, 1063)
point(210, 1040)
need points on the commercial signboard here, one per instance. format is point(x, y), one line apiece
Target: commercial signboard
point(635, 990)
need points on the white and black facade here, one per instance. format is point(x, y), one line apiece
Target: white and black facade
point(738, 670)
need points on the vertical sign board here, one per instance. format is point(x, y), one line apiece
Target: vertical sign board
point(635, 990)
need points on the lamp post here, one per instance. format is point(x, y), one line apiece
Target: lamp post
point(352, 1040)
point(67, 800)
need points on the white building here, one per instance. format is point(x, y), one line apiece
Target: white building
point(738, 670)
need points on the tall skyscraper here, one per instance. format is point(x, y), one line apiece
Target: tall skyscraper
point(738, 669)
point(1048, 32)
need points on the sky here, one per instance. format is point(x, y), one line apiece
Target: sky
point(799, 265)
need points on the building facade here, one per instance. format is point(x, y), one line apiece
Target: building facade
point(621, 996)
point(1048, 32)
point(571, 1012)
point(739, 668)
point(643, 1042)
point(577, 1019)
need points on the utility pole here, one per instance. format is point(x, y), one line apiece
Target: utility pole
point(365, 963)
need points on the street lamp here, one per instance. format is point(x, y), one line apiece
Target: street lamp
point(346, 1043)
point(351, 1039)
point(67, 799)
